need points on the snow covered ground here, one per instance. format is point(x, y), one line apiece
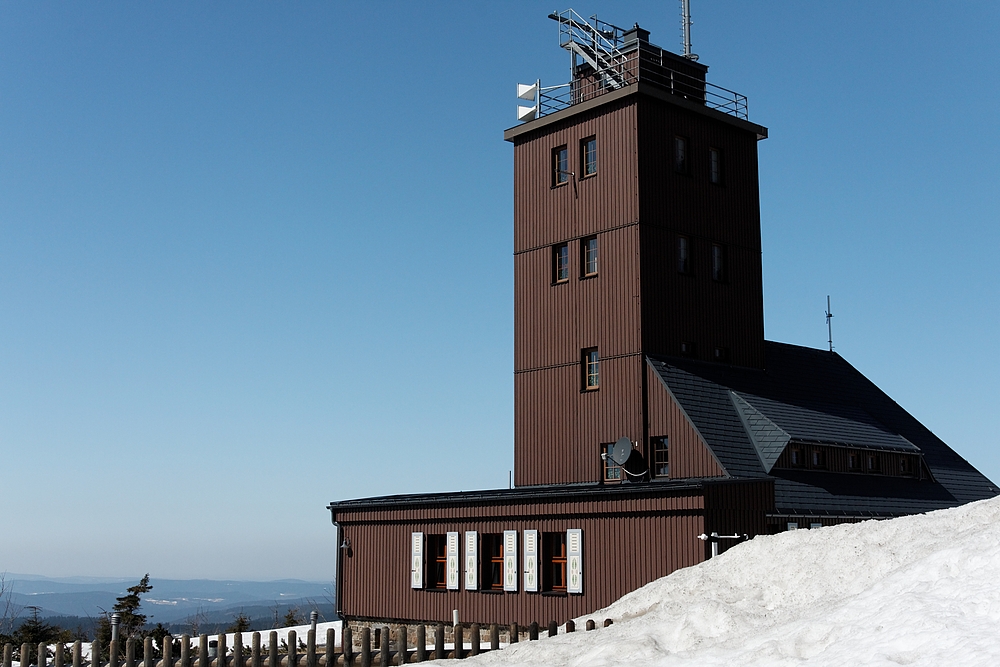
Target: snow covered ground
point(919, 590)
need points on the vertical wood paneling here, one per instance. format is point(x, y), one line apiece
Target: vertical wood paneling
point(690, 455)
point(627, 542)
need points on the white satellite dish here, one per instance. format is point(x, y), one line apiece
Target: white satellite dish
point(527, 91)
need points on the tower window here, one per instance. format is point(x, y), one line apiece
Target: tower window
point(560, 263)
point(588, 246)
point(491, 561)
point(588, 157)
point(560, 166)
point(721, 354)
point(437, 560)
point(689, 349)
point(680, 155)
point(715, 166)
point(683, 255)
point(661, 457)
point(718, 263)
point(612, 471)
point(591, 369)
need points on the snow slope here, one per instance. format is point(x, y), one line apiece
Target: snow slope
point(918, 590)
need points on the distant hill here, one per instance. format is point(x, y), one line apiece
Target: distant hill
point(172, 601)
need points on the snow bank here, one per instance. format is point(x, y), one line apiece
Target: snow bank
point(918, 590)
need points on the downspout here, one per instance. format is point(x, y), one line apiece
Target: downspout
point(340, 566)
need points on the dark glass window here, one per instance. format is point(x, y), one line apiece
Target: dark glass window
point(588, 157)
point(560, 166)
point(591, 369)
point(560, 263)
point(437, 560)
point(689, 349)
point(589, 259)
point(906, 466)
point(553, 561)
point(873, 463)
point(854, 462)
point(491, 561)
point(661, 457)
point(718, 263)
point(796, 457)
point(715, 165)
point(818, 458)
point(683, 255)
point(680, 155)
point(612, 471)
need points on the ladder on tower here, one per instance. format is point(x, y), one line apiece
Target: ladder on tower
point(597, 44)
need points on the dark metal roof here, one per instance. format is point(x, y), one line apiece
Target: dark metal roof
point(747, 416)
point(546, 493)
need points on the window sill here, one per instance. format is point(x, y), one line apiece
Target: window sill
point(588, 276)
point(560, 282)
point(554, 594)
point(492, 591)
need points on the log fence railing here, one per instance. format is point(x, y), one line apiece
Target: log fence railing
point(393, 649)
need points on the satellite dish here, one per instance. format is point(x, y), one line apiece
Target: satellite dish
point(629, 459)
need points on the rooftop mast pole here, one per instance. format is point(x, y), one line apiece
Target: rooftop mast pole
point(829, 327)
point(686, 24)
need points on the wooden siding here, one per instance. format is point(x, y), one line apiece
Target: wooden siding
point(626, 544)
point(738, 509)
point(694, 307)
point(558, 429)
point(690, 455)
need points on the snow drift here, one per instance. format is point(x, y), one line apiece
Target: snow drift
point(918, 590)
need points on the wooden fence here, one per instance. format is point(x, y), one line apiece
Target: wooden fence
point(391, 648)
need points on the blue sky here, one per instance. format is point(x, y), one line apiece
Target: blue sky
point(255, 257)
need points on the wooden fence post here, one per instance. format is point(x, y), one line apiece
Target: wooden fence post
point(459, 635)
point(366, 647)
point(331, 648)
point(57, 659)
point(421, 643)
point(402, 654)
point(129, 653)
point(514, 632)
point(474, 639)
point(77, 654)
point(439, 642)
point(293, 649)
point(533, 631)
point(221, 641)
point(272, 650)
point(95, 654)
point(347, 645)
point(255, 650)
point(8, 654)
point(311, 648)
point(147, 652)
point(383, 648)
point(608, 622)
point(203, 660)
point(168, 651)
point(185, 651)
point(43, 654)
point(494, 637)
point(238, 649)
point(571, 625)
point(590, 624)
point(553, 629)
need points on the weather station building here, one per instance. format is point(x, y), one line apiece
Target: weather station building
point(650, 412)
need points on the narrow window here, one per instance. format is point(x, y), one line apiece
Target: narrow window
point(588, 157)
point(818, 458)
point(437, 561)
point(715, 166)
point(718, 263)
point(906, 466)
point(589, 259)
point(814, 525)
point(491, 561)
point(689, 349)
point(612, 472)
point(661, 457)
point(553, 561)
point(854, 462)
point(591, 369)
point(793, 525)
point(680, 155)
point(873, 464)
point(721, 355)
point(560, 166)
point(796, 457)
point(683, 255)
point(560, 263)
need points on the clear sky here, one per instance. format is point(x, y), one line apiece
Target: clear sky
point(256, 257)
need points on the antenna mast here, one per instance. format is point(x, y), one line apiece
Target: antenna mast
point(686, 24)
point(829, 327)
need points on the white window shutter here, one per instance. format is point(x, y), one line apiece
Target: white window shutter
point(531, 561)
point(471, 560)
point(510, 560)
point(416, 560)
point(451, 565)
point(574, 560)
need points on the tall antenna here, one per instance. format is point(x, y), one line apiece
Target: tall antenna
point(686, 24)
point(829, 327)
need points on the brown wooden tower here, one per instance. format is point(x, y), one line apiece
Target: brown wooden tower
point(636, 233)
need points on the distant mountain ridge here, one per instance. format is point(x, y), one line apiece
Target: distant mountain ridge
point(170, 601)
